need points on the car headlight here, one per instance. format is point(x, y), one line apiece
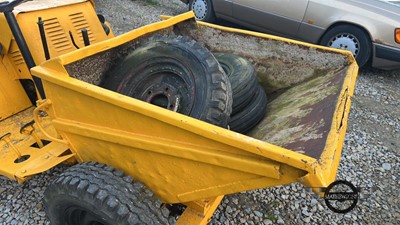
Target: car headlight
point(397, 35)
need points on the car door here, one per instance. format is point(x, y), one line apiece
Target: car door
point(222, 8)
point(281, 17)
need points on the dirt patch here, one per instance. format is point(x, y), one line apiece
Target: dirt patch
point(278, 64)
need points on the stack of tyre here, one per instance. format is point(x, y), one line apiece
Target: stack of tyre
point(179, 74)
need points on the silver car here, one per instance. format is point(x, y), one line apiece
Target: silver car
point(370, 29)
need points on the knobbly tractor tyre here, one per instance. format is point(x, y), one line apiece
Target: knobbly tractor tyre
point(177, 74)
point(245, 120)
point(242, 76)
point(97, 194)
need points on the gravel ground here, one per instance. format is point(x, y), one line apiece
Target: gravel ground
point(370, 157)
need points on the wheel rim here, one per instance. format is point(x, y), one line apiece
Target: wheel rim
point(200, 9)
point(170, 87)
point(78, 216)
point(163, 95)
point(347, 42)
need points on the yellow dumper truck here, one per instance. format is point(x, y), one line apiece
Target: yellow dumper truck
point(144, 119)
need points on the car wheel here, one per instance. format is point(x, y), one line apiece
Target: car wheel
point(245, 120)
point(176, 74)
point(242, 77)
point(93, 193)
point(351, 38)
point(203, 10)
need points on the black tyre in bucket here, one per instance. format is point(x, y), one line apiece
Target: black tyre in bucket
point(242, 76)
point(249, 117)
point(177, 74)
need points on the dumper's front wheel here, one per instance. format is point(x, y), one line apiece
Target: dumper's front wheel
point(96, 194)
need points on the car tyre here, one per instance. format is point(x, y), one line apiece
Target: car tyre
point(245, 120)
point(242, 77)
point(176, 74)
point(203, 10)
point(352, 38)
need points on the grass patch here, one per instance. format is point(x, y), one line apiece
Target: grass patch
point(271, 217)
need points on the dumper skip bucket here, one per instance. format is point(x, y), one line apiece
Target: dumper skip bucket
point(183, 159)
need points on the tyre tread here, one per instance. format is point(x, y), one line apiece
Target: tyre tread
point(242, 77)
point(246, 119)
point(110, 190)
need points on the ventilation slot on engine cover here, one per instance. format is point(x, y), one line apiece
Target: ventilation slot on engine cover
point(56, 35)
point(79, 22)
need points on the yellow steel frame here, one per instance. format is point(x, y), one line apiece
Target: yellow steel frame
point(19, 144)
point(12, 96)
point(156, 145)
point(59, 18)
point(67, 16)
point(179, 158)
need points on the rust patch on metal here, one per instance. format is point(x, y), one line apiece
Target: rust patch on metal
point(300, 118)
point(379, 41)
